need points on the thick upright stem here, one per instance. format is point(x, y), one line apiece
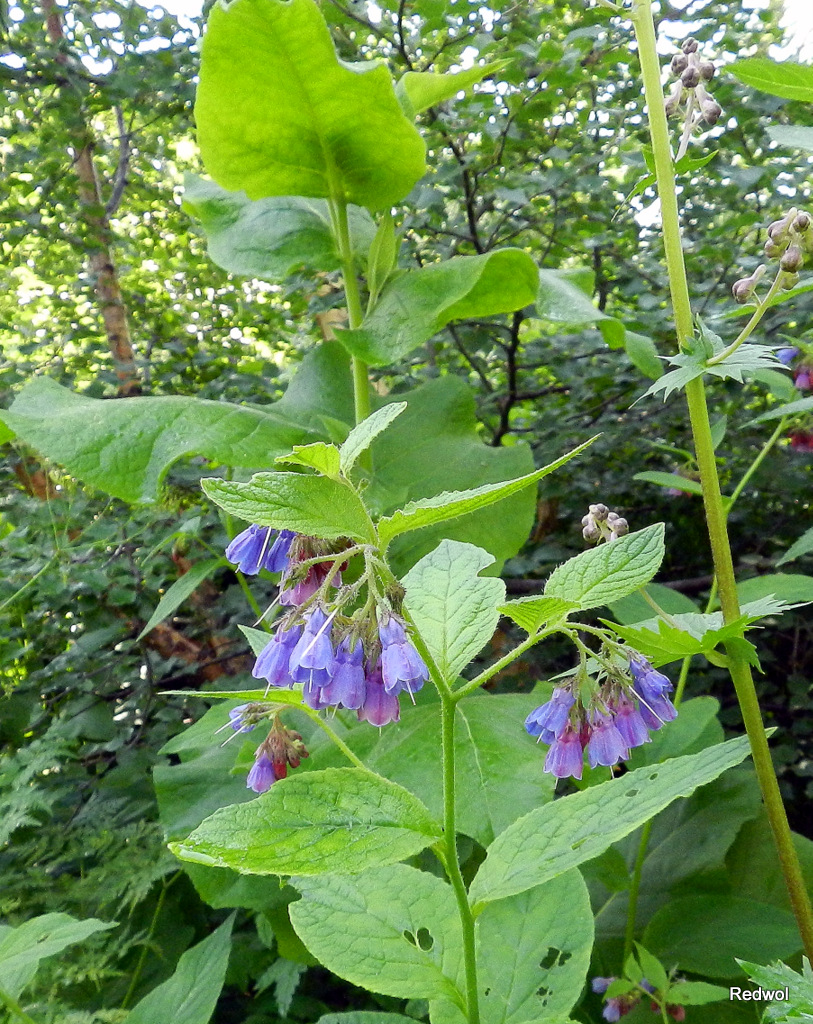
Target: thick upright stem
point(452, 864)
point(361, 382)
point(712, 499)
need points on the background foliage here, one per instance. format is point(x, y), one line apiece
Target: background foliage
point(543, 162)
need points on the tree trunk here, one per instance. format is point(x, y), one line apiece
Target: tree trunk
point(100, 256)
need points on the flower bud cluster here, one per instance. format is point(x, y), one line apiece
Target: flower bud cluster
point(692, 72)
point(607, 723)
point(617, 1007)
point(789, 242)
point(601, 524)
point(281, 748)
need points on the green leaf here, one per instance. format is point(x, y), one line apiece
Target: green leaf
point(328, 822)
point(561, 299)
point(789, 588)
point(393, 930)
point(270, 238)
point(258, 640)
point(313, 505)
point(534, 952)
point(22, 948)
point(279, 114)
point(643, 354)
point(452, 606)
point(382, 258)
point(497, 764)
point(634, 608)
point(450, 504)
point(696, 993)
point(94, 439)
point(703, 934)
point(671, 480)
point(365, 1017)
point(180, 591)
point(532, 613)
point(789, 80)
point(799, 1007)
point(324, 458)
point(419, 90)
point(801, 405)
point(754, 869)
point(552, 839)
point(802, 546)
point(609, 571)
point(191, 994)
point(417, 304)
point(363, 434)
point(6, 433)
point(652, 967)
point(792, 135)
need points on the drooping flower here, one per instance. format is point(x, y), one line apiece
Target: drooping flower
point(238, 719)
point(549, 720)
point(306, 587)
point(606, 745)
point(254, 549)
point(379, 707)
point(348, 685)
point(653, 689)
point(312, 660)
point(629, 722)
point(273, 661)
point(261, 777)
point(787, 355)
point(600, 985)
point(566, 755)
point(402, 668)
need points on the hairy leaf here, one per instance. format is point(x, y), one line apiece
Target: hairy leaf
point(789, 80)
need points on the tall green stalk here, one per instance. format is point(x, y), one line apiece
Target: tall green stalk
point(738, 666)
point(361, 382)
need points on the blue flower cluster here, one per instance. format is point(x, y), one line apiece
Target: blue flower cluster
point(618, 719)
point(281, 748)
point(253, 550)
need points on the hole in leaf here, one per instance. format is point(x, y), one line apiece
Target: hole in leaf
point(543, 994)
point(632, 792)
point(425, 940)
point(410, 937)
point(486, 991)
point(653, 776)
point(549, 959)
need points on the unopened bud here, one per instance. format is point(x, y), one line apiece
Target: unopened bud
point(591, 533)
point(619, 528)
point(789, 281)
point(672, 101)
point(679, 63)
point(706, 69)
point(778, 230)
point(711, 111)
point(599, 512)
point(792, 259)
point(801, 221)
point(689, 45)
point(690, 77)
point(743, 289)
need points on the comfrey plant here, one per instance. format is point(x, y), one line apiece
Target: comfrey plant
point(380, 612)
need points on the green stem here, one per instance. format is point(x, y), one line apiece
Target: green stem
point(334, 736)
point(14, 1007)
point(750, 327)
point(145, 947)
point(361, 382)
point(756, 464)
point(712, 499)
point(451, 863)
point(498, 666)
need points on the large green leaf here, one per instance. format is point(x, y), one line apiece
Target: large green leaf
point(279, 114)
point(328, 822)
point(22, 948)
point(789, 80)
point(705, 933)
point(451, 504)
point(533, 951)
point(313, 505)
point(191, 994)
point(567, 832)
point(125, 447)
point(270, 238)
point(610, 571)
point(434, 446)
point(419, 303)
point(392, 930)
point(452, 606)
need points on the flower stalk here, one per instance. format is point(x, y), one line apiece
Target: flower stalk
point(739, 669)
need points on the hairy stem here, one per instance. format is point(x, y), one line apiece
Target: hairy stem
point(451, 862)
point(712, 499)
point(361, 383)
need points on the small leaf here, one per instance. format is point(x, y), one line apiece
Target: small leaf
point(532, 613)
point(576, 828)
point(800, 547)
point(652, 967)
point(324, 458)
point(789, 80)
point(417, 304)
point(419, 90)
point(363, 434)
point(257, 638)
point(278, 113)
point(450, 504)
point(313, 505)
point(696, 993)
point(801, 405)
point(393, 930)
point(383, 255)
point(672, 480)
point(609, 571)
point(322, 822)
point(452, 606)
point(191, 994)
point(180, 591)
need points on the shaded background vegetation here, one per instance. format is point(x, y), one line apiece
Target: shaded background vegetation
point(544, 161)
